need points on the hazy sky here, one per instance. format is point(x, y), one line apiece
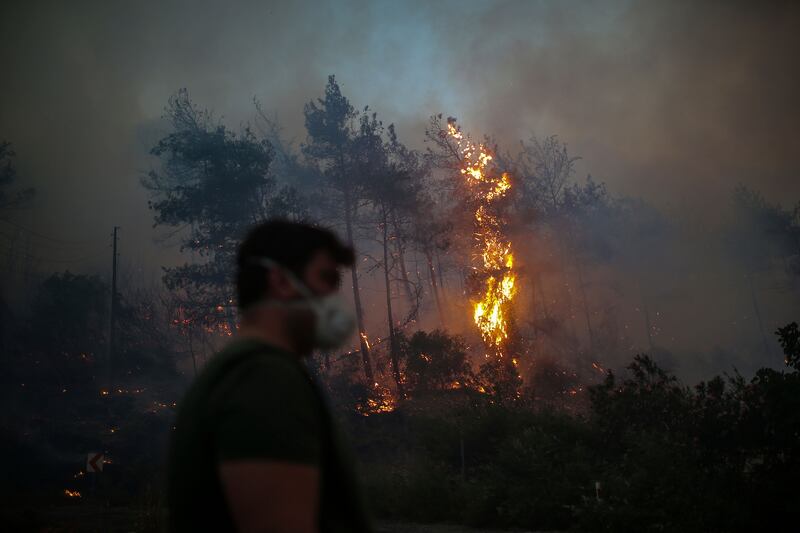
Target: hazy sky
point(675, 102)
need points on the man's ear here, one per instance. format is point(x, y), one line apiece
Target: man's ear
point(278, 284)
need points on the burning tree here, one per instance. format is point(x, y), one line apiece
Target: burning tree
point(493, 275)
point(495, 268)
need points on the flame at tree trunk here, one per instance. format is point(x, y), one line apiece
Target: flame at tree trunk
point(495, 259)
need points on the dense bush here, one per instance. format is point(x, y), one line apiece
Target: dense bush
point(722, 456)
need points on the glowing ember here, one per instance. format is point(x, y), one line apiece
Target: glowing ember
point(381, 401)
point(366, 341)
point(496, 266)
point(72, 493)
point(381, 405)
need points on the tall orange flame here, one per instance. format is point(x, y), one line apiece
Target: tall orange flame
point(496, 265)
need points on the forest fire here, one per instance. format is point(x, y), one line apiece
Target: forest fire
point(216, 264)
point(496, 267)
point(381, 401)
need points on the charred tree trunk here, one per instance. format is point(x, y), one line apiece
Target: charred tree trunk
point(230, 319)
point(434, 289)
point(567, 291)
point(585, 304)
point(191, 350)
point(402, 262)
point(442, 294)
point(542, 297)
point(757, 312)
point(348, 222)
point(441, 271)
point(411, 297)
point(647, 324)
point(389, 315)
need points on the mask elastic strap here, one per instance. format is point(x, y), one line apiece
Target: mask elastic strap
point(296, 283)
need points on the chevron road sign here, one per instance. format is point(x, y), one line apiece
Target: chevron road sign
point(94, 463)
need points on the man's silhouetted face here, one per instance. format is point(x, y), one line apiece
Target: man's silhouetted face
point(321, 277)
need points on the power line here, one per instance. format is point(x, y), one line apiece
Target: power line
point(53, 248)
point(45, 260)
point(46, 237)
point(46, 248)
point(11, 233)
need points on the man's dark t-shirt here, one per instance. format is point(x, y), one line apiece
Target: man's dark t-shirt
point(254, 401)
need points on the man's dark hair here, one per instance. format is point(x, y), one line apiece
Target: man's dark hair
point(290, 244)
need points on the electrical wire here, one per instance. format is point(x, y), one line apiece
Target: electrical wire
point(46, 237)
point(27, 256)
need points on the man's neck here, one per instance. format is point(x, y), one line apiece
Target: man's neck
point(267, 329)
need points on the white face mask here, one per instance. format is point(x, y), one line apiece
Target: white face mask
point(333, 324)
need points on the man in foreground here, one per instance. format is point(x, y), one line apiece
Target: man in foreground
point(255, 448)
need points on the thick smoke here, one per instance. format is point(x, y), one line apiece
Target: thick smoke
point(672, 102)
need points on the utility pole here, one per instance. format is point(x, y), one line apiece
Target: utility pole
point(105, 438)
point(27, 271)
point(13, 252)
point(113, 317)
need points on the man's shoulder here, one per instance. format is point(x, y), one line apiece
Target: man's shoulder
point(242, 345)
point(245, 356)
point(247, 368)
